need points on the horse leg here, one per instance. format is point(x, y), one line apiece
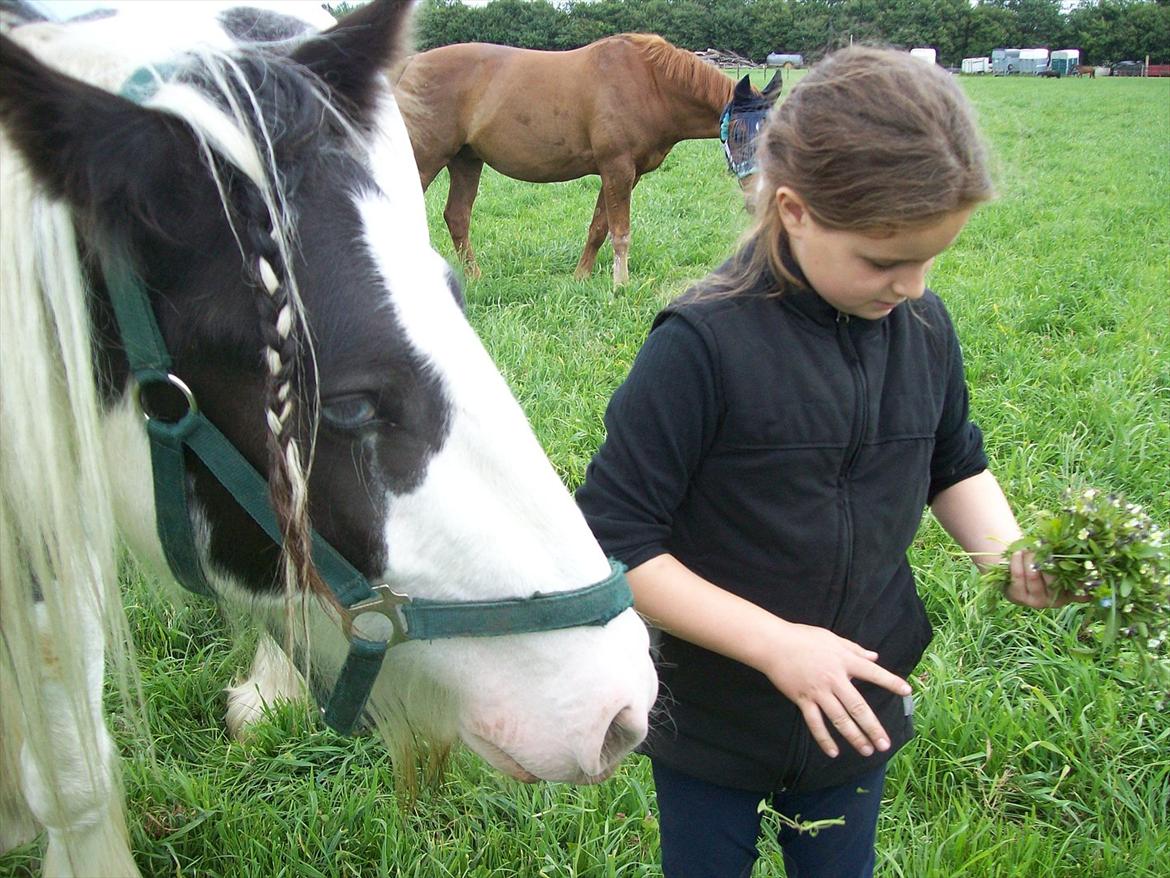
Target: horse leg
point(69, 764)
point(617, 184)
point(464, 170)
point(271, 680)
point(598, 229)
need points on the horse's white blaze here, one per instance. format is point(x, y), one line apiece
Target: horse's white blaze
point(493, 520)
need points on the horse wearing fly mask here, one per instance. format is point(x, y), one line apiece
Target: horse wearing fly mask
point(614, 108)
point(228, 341)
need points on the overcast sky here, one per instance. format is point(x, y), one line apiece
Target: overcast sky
point(309, 10)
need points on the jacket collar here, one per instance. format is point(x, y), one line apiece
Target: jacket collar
point(807, 302)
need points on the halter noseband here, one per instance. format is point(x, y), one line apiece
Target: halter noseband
point(373, 617)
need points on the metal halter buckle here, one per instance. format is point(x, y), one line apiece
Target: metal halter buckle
point(378, 619)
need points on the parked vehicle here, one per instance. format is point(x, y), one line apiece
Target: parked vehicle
point(788, 60)
point(1008, 62)
point(1065, 61)
point(925, 53)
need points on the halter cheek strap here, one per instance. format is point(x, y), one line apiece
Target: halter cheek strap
point(373, 617)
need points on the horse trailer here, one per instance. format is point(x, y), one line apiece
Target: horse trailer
point(1006, 62)
point(787, 60)
point(976, 65)
point(1065, 61)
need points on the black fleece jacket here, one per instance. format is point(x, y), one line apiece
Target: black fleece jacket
point(786, 453)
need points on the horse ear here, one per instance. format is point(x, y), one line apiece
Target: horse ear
point(773, 88)
point(743, 90)
point(104, 154)
point(350, 56)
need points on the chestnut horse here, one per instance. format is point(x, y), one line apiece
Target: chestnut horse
point(614, 108)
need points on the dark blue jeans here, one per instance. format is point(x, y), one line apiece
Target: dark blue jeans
point(710, 831)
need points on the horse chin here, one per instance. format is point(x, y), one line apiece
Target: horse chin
point(498, 759)
point(505, 763)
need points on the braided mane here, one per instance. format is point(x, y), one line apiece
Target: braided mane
point(261, 116)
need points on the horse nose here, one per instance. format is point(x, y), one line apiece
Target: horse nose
point(625, 732)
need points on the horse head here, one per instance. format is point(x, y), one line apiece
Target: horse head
point(740, 125)
point(266, 200)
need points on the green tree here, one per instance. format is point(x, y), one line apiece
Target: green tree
point(342, 7)
point(1117, 30)
point(1107, 30)
point(989, 27)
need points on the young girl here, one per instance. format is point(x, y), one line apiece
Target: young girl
point(768, 460)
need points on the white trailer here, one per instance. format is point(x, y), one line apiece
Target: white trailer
point(1010, 61)
point(1066, 61)
point(976, 65)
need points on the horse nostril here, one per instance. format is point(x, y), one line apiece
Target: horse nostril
point(624, 734)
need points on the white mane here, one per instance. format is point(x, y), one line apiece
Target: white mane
point(59, 604)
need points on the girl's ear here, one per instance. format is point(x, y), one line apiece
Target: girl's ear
point(794, 214)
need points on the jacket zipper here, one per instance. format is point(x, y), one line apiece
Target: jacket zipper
point(860, 419)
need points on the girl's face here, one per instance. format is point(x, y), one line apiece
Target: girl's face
point(859, 274)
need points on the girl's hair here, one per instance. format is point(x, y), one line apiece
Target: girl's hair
point(874, 141)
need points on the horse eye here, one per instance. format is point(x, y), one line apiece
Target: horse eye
point(349, 412)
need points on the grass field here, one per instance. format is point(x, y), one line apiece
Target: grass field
point(1030, 762)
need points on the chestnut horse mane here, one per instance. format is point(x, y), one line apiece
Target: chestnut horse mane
point(681, 66)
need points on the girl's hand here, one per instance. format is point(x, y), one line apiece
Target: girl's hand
point(814, 668)
point(1029, 587)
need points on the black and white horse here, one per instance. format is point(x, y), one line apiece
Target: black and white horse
point(261, 197)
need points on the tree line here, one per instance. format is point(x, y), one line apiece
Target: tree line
point(1104, 30)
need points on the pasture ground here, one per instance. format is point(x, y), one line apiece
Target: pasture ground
point(1030, 761)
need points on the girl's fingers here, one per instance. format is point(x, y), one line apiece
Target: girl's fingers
point(1016, 565)
point(858, 649)
point(874, 673)
point(1029, 587)
point(852, 717)
point(816, 725)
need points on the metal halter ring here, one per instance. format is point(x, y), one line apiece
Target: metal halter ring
point(151, 379)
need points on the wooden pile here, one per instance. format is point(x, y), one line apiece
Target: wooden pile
point(725, 58)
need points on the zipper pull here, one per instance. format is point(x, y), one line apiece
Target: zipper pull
point(845, 339)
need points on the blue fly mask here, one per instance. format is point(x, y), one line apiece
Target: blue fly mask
point(741, 121)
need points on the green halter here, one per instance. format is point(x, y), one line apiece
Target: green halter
point(373, 617)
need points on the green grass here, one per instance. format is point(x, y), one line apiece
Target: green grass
point(1029, 762)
